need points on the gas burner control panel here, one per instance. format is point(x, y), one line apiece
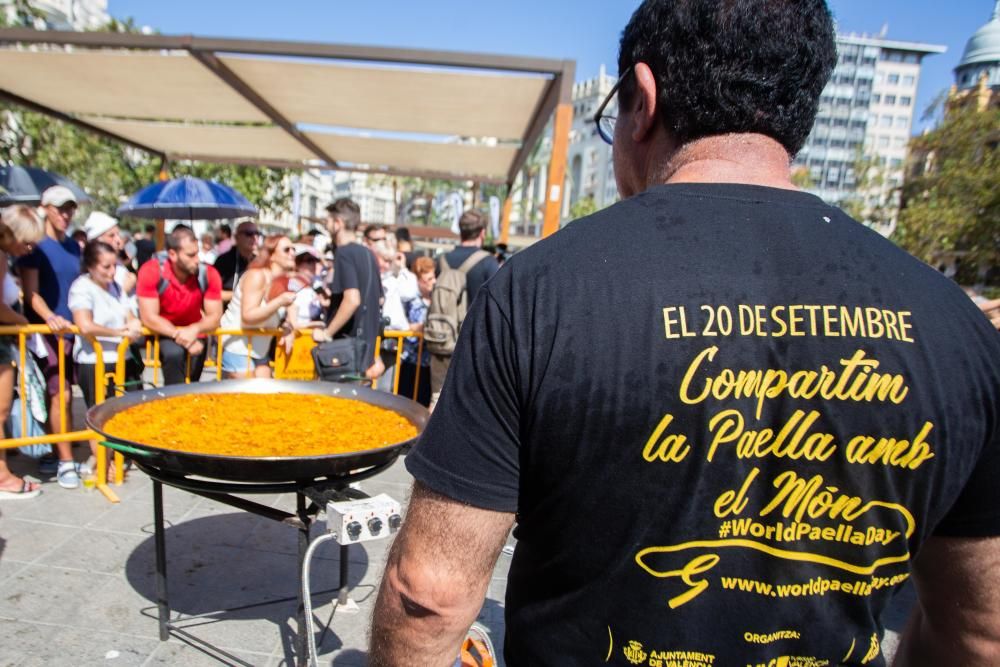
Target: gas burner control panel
point(363, 520)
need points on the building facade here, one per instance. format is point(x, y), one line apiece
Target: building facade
point(64, 14)
point(865, 118)
point(977, 77)
point(374, 194)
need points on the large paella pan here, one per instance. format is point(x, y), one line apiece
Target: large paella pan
point(233, 467)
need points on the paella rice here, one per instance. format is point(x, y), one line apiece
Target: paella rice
point(261, 425)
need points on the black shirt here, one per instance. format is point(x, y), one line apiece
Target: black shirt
point(144, 251)
point(726, 417)
point(231, 265)
point(478, 274)
point(354, 267)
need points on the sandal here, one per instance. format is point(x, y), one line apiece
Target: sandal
point(67, 476)
point(28, 490)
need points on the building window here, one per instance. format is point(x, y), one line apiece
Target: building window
point(876, 98)
point(868, 61)
point(911, 58)
point(909, 80)
point(905, 101)
point(890, 99)
point(893, 79)
point(902, 121)
point(883, 142)
point(899, 142)
point(885, 121)
point(895, 163)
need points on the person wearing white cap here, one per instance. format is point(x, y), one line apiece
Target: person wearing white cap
point(46, 275)
point(102, 227)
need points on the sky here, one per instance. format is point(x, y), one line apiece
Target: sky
point(586, 31)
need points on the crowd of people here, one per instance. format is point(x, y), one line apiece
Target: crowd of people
point(367, 281)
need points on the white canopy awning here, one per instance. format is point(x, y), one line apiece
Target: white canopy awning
point(440, 114)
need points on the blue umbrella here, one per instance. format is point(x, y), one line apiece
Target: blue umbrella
point(25, 185)
point(187, 198)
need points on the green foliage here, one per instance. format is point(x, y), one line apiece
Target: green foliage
point(871, 202)
point(24, 15)
point(581, 208)
point(802, 179)
point(106, 169)
point(953, 206)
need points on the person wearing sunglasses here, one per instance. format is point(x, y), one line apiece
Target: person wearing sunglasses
point(234, 262)
point(729, 422)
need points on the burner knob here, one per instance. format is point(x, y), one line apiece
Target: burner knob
point(374, 525)
point(353, 530)
point(395, 521)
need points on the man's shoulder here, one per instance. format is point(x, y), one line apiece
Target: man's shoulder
point(228, 257)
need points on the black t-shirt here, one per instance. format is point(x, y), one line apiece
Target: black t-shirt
point(231, 265)
point(478, 274)
point(144, 251)
point(354, 267)
point(726, 416)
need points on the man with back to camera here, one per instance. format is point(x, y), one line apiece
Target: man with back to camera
point(778, 418)
point(174, 304)
point(356, 288)
point(471, 234)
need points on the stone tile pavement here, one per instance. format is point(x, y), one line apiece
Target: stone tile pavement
point(77, 580)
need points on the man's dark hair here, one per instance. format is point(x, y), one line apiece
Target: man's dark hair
point(470, 224)
point(743, 66)
point(373, 228)
point(403, 234)
point(176, 237)
point(226, 231)
point(149, 229)
point(347, 210)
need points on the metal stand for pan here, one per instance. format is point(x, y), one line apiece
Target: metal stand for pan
point(310, 497)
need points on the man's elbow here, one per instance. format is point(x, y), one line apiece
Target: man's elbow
point(426, 592)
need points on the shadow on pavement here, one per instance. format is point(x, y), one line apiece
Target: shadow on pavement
point(237, 567)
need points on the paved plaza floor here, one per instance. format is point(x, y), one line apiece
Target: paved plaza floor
point(77, 580)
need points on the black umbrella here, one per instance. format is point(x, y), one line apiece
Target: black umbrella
point(25, 185)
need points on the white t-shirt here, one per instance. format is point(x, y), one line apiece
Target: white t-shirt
point(108, 308)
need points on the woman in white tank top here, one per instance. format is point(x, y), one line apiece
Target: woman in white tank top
point(250, 308)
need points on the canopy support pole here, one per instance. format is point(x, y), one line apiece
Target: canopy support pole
point(557, 169)
point(508, 203)
point(161, 224)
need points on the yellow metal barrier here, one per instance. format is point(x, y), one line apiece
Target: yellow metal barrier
point(400, 336)
point(151, 359)
point(100, 379)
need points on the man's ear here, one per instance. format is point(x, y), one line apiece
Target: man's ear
point(645, 114)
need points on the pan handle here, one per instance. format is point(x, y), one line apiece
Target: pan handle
point(125, 449)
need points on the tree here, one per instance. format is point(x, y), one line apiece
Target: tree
point(951, 203)
point(872, 201)
point(583, 207)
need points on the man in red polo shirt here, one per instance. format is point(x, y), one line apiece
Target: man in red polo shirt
point(180, 307)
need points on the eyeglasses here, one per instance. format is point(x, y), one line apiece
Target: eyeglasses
point(375, 239)
point(250, 233)
point(606, 124)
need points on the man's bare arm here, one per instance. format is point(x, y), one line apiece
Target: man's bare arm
point(435, 580)
point(957, 620)
point(348, 306)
